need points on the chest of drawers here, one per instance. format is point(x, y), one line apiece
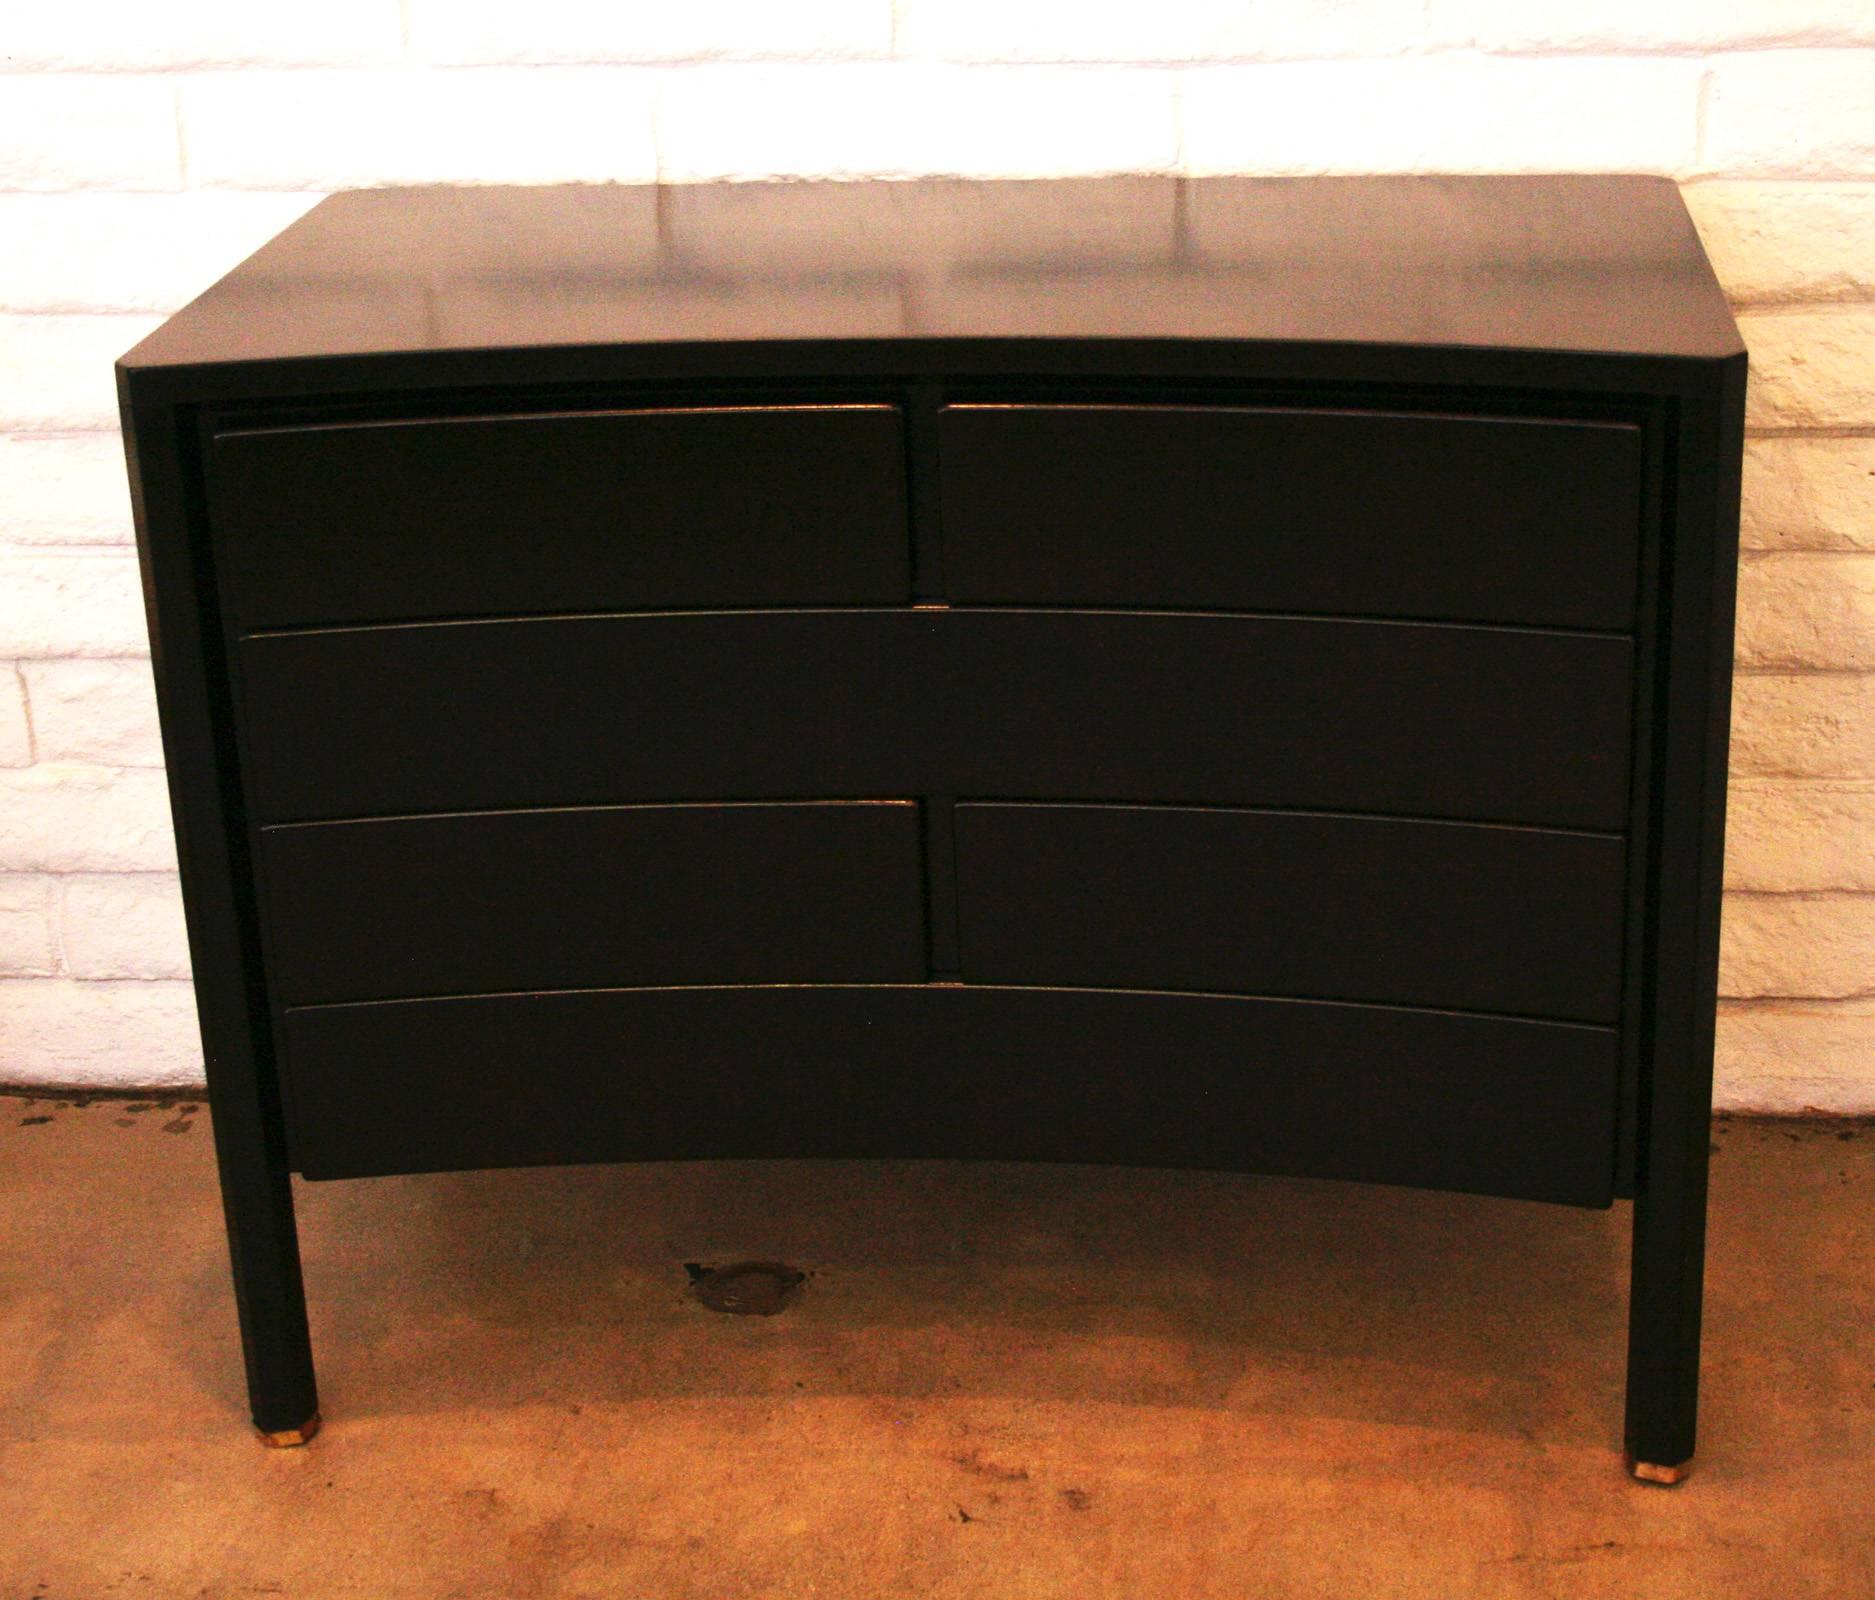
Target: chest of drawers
point(1221, 674)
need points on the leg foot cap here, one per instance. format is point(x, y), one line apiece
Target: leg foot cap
point(1655, 1472)
point(289, 1438)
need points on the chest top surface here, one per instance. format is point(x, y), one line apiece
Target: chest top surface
point(1605, 265)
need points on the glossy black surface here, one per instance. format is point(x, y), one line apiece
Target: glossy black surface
point(1556, 264)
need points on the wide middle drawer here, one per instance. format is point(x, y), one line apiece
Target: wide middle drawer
point(1486, 723)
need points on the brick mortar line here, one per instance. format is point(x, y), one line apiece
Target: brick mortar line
point(1800, 894)
point(26, 711)
point(168, 873)
point(1774, 174)
point(1861, 299)
point(1799, 1000)
point(72, 977)
point(1772, 305)
point(60, 954)
point(1804, 180)
point(1846, 431)
point(13, 552)
point(1761, 670)
point(408, 57)
point(71, 1094)
point(1702, 114)
point(1852, 1007)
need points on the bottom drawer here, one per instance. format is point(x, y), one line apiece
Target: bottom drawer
point(1386, 1094)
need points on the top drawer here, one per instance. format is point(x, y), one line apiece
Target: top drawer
point(588, 511)
point(1337, 512)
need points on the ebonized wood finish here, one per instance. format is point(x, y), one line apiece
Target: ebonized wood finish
point(1222, 673)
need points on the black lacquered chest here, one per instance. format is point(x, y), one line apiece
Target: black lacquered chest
point(1220, 673)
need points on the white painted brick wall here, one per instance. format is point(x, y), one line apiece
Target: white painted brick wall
point(1676, 26)
point(70, 131)
point(1786, 835)
point(67, 817)
point(136, 1032)
point(1810, 367)
point(16, 734)
point(111, 35)
point(1806, 493)
point(1453, 113)
point(29, 940)
point(1792, 113)
point(63, 490)
point(1801, 609)
point(97, 711)
point(55, 371)
point(497, 33)
point(1788, 241)
point(124, 925)
point(892, 120)
point(71, 603)
point(318, 130)
point(67, 252)
point(144, 149)
point(1166, 31)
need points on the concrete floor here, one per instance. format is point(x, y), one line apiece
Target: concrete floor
point(997, 1381)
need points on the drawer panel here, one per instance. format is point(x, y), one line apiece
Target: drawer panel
point(1491, 724)
point(1520, 920)
point(577, 711)
point(629, 895)
point(1227, 508)
point(1486, 1104)
point(598, 511)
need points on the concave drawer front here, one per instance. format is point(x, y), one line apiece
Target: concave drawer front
point(582, 898)
point(1520, 920)
point(611, 510)
point(1228, 508)
point(1489, 1104)
point(1493, 724)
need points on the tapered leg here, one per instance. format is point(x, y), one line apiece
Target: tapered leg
point(1664, 1308)
point(263, 1246)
